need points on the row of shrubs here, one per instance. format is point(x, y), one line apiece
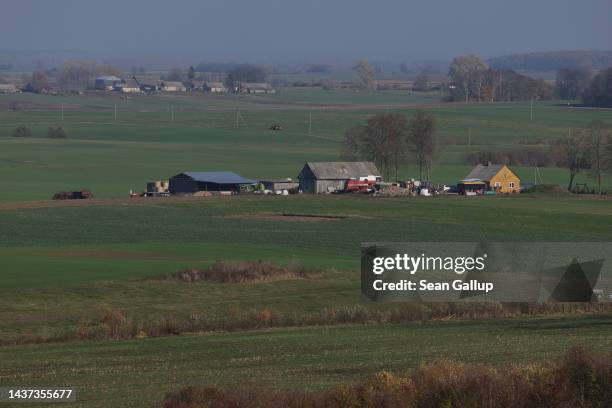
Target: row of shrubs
point(580, 379)
point(117, 326)
point(52, 132)
point(546, 189)
point(240, 272)
point(114, 324)
point(523, 157)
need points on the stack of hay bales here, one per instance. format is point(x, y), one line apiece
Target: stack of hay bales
point(160, 186)
point(395, 191)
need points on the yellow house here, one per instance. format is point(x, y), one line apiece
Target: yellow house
point(498, 177)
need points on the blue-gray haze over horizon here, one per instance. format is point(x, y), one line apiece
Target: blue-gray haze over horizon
point(307, 30)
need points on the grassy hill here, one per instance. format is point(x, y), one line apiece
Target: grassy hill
point(71, 271)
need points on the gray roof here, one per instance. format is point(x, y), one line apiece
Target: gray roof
point(218, 177)
point(215, 85)
point(173, 84)
point(129, 83)
point(342, 170)
point(278, 181)
point(484, 172)
point(257, 85)
point(108, 78)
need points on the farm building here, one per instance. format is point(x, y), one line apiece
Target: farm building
point(107, 83)
point(128, 86)
point(215, 87)
point(496, 177)
point(194, 85)
point(9, 89)
point(173, 86)
point(193, 182)
point(257, 88)
point(325, 177)
point(148, 88)
point(281, 184)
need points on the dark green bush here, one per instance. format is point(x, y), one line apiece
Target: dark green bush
point(22, 131)
point(56, 133)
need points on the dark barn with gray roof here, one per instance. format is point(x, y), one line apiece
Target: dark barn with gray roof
point(192, 182)
point(325, 177)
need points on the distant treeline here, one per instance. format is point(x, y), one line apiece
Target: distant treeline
point(473, 80)
point(553, 61)
point(572, 84)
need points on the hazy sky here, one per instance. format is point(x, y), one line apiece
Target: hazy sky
point(304, 30)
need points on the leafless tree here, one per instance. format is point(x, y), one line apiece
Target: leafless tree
point(421, 82)
point(467, 71)
point(599, 137)
point(573, 154)
point(105, 69)
point(74, 74)
point(381, 140)
point(422, 141)
point(38, 82)
point(365, 75)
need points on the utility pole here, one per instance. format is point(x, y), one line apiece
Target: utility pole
point(172, 112)
point(115, 112)
point(310, 123)
point(238, 119)
point(532, 109)
point(469, 136)
point(62, 110)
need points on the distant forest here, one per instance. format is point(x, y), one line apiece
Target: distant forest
point(553, 61)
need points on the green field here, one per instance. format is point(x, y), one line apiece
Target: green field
point(57, 259)
point(112, 157)
point(138, 373)
point(38, 244)
point(64, 265)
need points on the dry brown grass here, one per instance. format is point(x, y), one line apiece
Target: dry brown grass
point(240, 272)
point(115, 325)
point(580, 379)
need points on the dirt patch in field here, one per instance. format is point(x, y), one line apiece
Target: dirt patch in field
point(286, 217)
point(19, 205)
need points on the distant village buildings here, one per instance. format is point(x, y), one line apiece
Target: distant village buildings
point(257, 88)
point(128, 86)
point(9, 89)
point(107, 83)
point(173, 86)
point(215, 87)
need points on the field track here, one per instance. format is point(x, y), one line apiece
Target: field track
point(139, 201)
point(96, 202)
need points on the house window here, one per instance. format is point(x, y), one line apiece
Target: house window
point(497, 184)
point(511, 184)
